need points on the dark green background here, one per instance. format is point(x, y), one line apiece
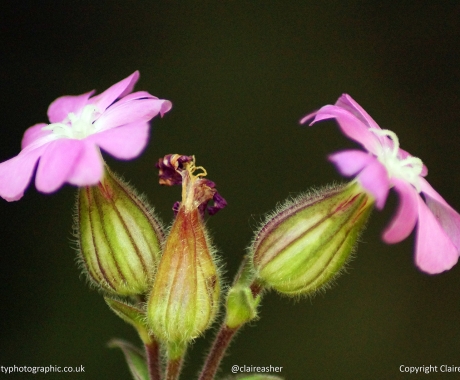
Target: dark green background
point(240, 76)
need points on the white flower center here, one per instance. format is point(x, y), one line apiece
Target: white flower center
point(74, 127)
point(407, 169)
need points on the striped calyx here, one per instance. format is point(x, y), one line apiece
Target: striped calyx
point(185, 294)
point(119, 237)
point(302, 246)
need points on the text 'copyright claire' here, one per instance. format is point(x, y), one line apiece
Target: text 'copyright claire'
point(429, 368)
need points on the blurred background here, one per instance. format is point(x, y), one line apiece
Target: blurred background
point(240, 76)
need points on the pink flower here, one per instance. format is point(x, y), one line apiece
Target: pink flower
point(68, 148)
point(385, 165)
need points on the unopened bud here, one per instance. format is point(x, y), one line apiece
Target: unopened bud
point(241, 306)
point(306, 243)
point(185, 293)
point(243, 297)
point(119, 237)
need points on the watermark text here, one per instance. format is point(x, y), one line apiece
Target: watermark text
point(40, 369)
point(256, 369)
point(427, 369)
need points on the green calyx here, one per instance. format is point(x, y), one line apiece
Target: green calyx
point(306, 243)
point(119, 237)
point(185, 295)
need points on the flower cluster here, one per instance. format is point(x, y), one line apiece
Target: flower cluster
point(167, 283)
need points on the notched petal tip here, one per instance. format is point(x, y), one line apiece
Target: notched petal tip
point(308, 117)
point(165, 107)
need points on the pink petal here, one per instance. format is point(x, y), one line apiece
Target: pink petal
point(33, 133)
point(56, 164)
point(308, 117)
point(15, 174)
point(448, 218)
point(404, 221)
point(117, 91)
point(61, 107)
point(351, 126)
point(374, 178)
point(165, 105)
point(434, 252)
point(350, 162)
point(135, 96)
point(88, 167)
point(348, 103)
point(124, 142)
point(134, 111)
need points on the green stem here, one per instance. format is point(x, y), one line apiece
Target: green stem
point(152, 351)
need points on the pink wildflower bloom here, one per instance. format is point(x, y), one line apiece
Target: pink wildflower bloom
point(385, 165)
point(116, 121)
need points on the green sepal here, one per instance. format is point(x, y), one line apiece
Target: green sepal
point(134, 357)
point(130, 314)
point(176, 350)
point(241, 306)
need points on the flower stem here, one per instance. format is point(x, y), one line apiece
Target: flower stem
point(152, 351)
point(245, 278)
point(221, 343)
point(176, 353)
point(173, 368)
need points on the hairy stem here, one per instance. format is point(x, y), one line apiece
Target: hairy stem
point(244, 277)
point(221, 343)
point(173, 368)
point(152, 351)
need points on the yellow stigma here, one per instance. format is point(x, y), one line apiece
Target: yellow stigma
point(194, 190)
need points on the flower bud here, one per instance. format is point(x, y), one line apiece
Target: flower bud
point(185, 294)
point(119, 237)
point(243, 297)
point(305, 244)
point(241, 306)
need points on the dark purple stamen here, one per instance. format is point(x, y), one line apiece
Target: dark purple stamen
point(169, 167)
